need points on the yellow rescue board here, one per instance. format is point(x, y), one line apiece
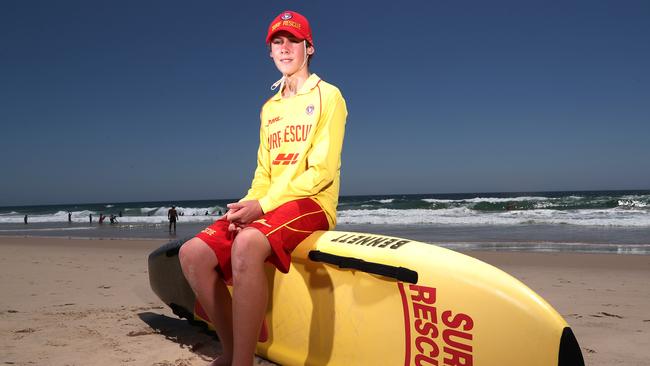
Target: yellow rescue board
point(402, 302)
point(461, 311)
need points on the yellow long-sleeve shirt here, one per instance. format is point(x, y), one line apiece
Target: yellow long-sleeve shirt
point(299, 156)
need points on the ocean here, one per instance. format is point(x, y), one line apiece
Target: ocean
point(591, 221)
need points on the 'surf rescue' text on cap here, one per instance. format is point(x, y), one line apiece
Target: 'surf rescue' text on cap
point(292, 22)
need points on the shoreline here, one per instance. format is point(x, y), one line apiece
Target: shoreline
point(517, 238)
point(78, 302)
point(466, 248)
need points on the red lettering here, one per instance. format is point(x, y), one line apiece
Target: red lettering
point(435, 350)
point(286, 134)
point(274, 140)
point(457, 358)
point(299, 133)
point(275, 119)
point(448, 333)
point(425, 327)
point(457, 320)
point(305, 132)
point(454, 337)
point(423, 294)
point(296, 133)
point(424, 310)
point(451, 340)
point(419, 359)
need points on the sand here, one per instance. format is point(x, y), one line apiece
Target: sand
point(88, 302)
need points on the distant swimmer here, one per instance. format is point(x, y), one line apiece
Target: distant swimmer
point(113, 219)
point(69, 216)
point(25, 219)
point(90, 217)
point(206, 213)
point(172, 215)
point(101, 218)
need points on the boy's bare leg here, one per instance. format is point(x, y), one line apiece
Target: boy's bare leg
point(198, 262)
point(250, 292)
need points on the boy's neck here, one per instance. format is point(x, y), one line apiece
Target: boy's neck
point(294, 82)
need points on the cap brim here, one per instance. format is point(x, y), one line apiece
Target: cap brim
point(291, 30)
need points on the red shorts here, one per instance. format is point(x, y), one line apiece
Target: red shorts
point(285, 227)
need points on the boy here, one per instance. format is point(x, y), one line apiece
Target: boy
point(294, 193)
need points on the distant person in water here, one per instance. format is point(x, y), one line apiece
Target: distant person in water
point(119, 214)
point(172, 215)
point(101, 218)
point(69, 216)
point(25, 219)
point(113, 219)
point(90, 217)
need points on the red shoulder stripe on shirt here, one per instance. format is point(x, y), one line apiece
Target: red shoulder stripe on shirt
point(320, 101)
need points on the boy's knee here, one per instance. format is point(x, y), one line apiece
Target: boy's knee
point(193, 251)
point(185, 251)
point(249, 248)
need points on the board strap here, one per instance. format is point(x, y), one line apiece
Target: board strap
point(398, 273)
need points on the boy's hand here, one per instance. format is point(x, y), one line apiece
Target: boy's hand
point(245, 212)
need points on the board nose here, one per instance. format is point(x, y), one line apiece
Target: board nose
point(570, 354)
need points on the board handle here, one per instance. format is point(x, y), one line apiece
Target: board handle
point(398, 273)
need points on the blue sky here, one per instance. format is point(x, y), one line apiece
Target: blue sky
point(159, 100)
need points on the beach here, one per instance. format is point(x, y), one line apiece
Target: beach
point(68, 301)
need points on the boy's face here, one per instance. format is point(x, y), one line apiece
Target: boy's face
point(288, 52)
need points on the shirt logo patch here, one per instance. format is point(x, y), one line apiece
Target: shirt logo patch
point(286, 159)
point(286, 16)
point(310, 109)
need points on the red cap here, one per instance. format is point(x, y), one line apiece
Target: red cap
point(292, 22)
